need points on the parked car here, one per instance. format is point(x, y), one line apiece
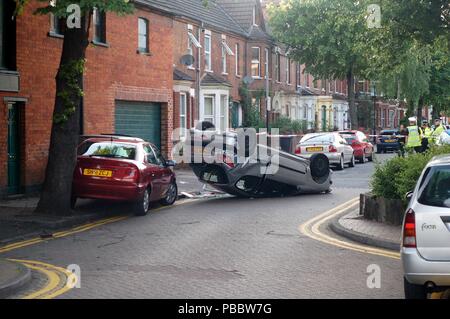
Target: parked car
point(123, 169)
point(361, 145)
point(388, 141)
point(425, 250)
point(292, 175)
point(332, 145)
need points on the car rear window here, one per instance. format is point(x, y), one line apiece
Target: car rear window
point(390, 133)
point(323, 138)
point(437, 191)
point(112, 150)
point(349, 138)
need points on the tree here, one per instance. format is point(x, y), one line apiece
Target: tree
point(328, 36)
point(56, 193)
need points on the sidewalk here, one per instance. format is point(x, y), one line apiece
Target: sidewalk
point(13, 276)
point(353, 226)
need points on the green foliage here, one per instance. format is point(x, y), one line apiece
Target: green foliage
point(289, 126)
point(252, 116)
point(399, 175)
point(71, 73)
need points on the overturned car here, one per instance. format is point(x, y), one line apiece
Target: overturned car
point(247, 164)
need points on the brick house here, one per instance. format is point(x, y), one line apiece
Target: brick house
point(128, 85)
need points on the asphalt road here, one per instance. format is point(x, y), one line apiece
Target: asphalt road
point(222, 248)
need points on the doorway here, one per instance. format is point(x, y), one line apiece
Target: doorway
point(13, 145)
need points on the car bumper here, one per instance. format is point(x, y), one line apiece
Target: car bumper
point(334, 158)
point(388, 146)
point(111, 192)
point(419, 271)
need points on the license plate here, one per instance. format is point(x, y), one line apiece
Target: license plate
point(97, 172)
point(314, 149)
point(390, 141)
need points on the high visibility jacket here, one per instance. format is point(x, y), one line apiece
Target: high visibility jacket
point(414, 136)
point(428, 133)
point(437, 132)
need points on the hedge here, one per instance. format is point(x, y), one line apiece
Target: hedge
point(399, 175)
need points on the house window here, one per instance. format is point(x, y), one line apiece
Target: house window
point(254, 16)
point(266, 65)
point(305, 111)
point(208, 112)
point(323, 84)
point(183, 108)
point(57, 24)
point(7, 36)
point(288, 70)
point(223, 113)
point(277, 66)
point(192, 42)
point(208, 52)
point(99, 18)
point(314, 84)
point(307, 79)
point(143, 35)
point(298, 75)
point(237, 57)
point(256, 62)
point(224, 61)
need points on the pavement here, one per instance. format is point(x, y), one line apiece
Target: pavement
point(353, 226)
point(223, 247)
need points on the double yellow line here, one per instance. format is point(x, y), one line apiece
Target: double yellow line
point(312, 229)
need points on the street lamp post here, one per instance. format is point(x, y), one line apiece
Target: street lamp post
point(374, 98)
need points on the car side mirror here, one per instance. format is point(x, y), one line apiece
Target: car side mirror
point(170, 163)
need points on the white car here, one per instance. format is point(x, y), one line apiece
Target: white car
point(425, 249)
point(333, 145)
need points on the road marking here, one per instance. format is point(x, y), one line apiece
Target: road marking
point(82, 228)
point(312, 229)
point(56, 279)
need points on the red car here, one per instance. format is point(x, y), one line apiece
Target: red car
point(123, 169)
point(361, 145)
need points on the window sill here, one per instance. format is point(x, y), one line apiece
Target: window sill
point(52, 34)
point(209, 71)
point(191, 68)
point(257, 77)
point(100, 44)
point(238, 76)
point(141, 52)
point(224, 73)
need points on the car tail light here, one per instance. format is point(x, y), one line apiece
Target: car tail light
point(332, 149)
point(409, 230)
point(298, 150)
point(132, 174)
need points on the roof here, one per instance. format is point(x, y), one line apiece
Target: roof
point(181, 76)
point(211, 80)
point(211, 15)
point(440, 160)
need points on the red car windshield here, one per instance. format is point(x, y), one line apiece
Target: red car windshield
point(112, 150)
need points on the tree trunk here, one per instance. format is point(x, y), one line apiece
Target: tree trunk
point(419, 111)
point(57, 187)
point(351, 100)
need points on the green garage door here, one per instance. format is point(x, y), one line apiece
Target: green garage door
point(140, 120)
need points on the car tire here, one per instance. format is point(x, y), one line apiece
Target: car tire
point(341, 165)
point(414, 291)
point(143, 204)
point(362, 160)
point(73, 202)
point(171, 195)
point(352, 162)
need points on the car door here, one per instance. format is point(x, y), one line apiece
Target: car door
point(347, 149)
point(153, 172)
point(164, 172)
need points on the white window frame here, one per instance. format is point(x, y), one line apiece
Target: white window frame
point(288, 70)
point(266, 64)
point(208, 52)
point(147, 35)
point(226, 50)
point(258, 62)
point(216, 96)
point(277, 67)
point(183, 115)
point(237, 49)
point(208, 117)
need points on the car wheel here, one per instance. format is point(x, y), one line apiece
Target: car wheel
point(352, 162)
point(341, 164)
point(414, 291)
point(73, 202)
point(362, 160)
point(143, 204)
point(171, 195)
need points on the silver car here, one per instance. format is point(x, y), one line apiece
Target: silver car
point(425, 249)
point(333, 145)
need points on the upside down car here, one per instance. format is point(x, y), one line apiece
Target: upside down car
point(263, 171)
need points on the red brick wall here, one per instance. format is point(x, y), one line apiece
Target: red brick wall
point(117, 72)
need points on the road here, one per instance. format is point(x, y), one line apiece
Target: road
point(221, 248)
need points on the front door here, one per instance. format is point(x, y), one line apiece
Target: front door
point(235, 115)
point(13, 150)
point(324, 118)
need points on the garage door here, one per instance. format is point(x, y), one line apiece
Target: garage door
point(140, 120)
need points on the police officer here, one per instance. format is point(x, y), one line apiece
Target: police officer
point(438, 130)
point(414, 138)
point(427, 132)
